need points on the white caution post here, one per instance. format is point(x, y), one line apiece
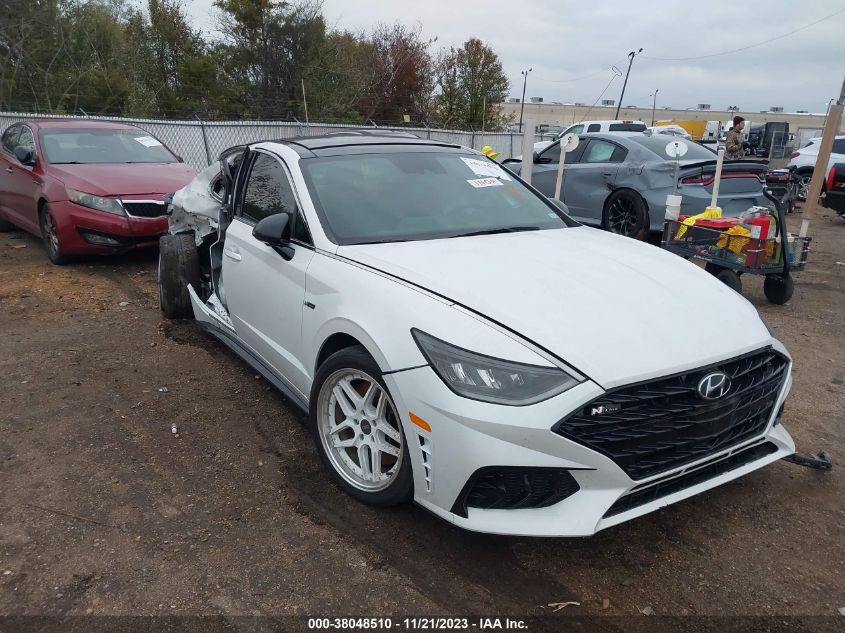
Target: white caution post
point(528, 150)
point(675, 149)
point(567, 144)
point(717, 179)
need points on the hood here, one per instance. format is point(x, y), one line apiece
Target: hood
point(119, 179)
point(615, 309)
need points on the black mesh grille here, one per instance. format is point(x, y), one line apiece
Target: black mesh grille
point(144, 209)
point(514, 487)
point(687, 480)
point(652, 427)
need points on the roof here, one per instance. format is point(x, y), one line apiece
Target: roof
point(77, 124)
point(333, 144)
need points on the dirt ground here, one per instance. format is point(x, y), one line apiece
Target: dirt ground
point(104, 510)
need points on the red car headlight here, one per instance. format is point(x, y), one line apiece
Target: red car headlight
point(109, 205)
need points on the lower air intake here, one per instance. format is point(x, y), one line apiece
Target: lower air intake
point(514, 488)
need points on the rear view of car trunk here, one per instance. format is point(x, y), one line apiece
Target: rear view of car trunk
point(740, 186)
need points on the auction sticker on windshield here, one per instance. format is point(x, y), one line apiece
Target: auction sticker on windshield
point(485, 168)
point(485, 182)
point(148, 141)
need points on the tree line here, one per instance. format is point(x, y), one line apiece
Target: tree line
point(269, 59)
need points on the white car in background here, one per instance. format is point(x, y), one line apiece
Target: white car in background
point(670, 130)
point(457, 340)
point(804, 160)
point(588, 127)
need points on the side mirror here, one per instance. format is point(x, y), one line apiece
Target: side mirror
point(560, 205)
point(536, 158)
point(274, 230)
point(24, 156)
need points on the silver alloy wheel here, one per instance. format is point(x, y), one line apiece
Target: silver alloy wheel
point(804, 186)
point(360, 430)
point(51, 233)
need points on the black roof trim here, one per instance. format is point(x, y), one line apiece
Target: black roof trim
point(308, 146)
point(345, 140)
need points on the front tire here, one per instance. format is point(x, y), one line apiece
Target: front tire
point(625, 213)
point(50, 235)
point(358, 431)
point(178, 266)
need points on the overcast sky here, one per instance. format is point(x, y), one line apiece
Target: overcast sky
point(571, 46)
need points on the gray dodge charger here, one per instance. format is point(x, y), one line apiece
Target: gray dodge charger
point(620, 181)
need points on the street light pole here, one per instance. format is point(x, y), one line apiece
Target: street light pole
point(654, 106)
point(522, 104)
point(631, 56)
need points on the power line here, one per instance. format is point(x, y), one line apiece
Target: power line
point(745, 48)
point(598, 72)
point(616, 73)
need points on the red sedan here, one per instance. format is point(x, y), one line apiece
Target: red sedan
point(86, 187)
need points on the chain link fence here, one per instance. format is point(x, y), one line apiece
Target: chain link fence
point(199, 142)
point(781, 146)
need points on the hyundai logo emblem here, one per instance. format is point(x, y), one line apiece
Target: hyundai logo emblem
point(715, 385)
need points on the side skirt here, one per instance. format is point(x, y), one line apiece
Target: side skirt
point(256, 363)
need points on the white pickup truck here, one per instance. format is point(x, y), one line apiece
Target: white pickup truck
point(587, 127)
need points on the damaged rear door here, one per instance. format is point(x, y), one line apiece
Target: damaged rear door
point(590, 179)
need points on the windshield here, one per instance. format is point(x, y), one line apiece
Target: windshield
point(391, 197)
point(658, 143)
point(626, 127)
point(98, 145)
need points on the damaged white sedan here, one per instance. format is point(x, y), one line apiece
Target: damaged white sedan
point(458, 340)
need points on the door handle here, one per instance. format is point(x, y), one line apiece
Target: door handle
point(232, 252)
point(607, 173)
point(9, 170)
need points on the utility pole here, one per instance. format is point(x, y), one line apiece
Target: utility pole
point(631, 56)
point(524, 74)
point(831, 129)
point(654, 106)
point(304, 102)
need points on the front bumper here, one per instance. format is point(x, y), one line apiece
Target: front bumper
point(87, 231)
point(468, 435)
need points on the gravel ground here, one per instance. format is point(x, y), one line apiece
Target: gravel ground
point(104, 511)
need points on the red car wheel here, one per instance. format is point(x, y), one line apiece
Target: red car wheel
point(50, 235)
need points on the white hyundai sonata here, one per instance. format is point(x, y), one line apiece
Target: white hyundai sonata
point(457, 340)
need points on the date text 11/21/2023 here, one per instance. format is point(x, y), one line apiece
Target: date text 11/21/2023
point(481, 624)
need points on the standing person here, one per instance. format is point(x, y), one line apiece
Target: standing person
point(733, 144)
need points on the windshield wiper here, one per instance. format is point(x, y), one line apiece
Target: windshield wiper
point(387, 241)
point(506, 229)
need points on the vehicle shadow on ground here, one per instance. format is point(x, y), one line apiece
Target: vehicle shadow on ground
point(18, 239)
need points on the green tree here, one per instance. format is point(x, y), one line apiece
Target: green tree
point(471, 85)
point(337, 78)
point(173, 71)
point(268, 46)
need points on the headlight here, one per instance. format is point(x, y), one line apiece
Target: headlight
point(109, 205)
point(490, 379)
